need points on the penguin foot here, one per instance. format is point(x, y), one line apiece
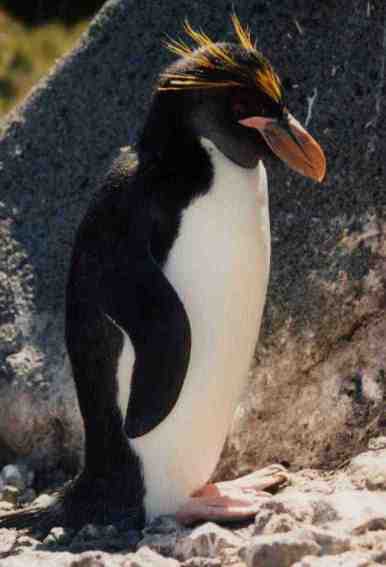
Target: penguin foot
point(232, 500)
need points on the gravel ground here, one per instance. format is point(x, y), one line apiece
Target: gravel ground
point(320, 519)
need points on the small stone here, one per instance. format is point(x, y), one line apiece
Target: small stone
point(7, 542)
point(377, 443)
point(299, 510)
point(160, 543)
point(27, 541)
point(50, 540)
point(6, 506)
point(280, 524)
point(61, 535)
point(369, 470)
point(208, 540)
point(93, 559)
point(272, 506)
point(323, 511)
point(203, 562)
point(329, 541)
point(146, 557)
point(380, 556)
point(371, 524)
point(372, 539)
point(376, 481)
point(15, 475)
point(349, 559)
point(10, 494)
point(279, 550)
point(44, 500)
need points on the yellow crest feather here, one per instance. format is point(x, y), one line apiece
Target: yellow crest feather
point(270, 83)
point(243, 34)
point(214, 56)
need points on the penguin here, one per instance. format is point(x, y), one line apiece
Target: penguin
point(166, 292)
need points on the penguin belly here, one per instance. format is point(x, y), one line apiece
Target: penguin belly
point(219, 266)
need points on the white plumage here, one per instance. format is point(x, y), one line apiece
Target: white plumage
point(219, 266)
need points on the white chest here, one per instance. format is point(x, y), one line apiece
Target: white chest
point(219, 266)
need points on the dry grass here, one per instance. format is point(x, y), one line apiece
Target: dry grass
point(27, 53)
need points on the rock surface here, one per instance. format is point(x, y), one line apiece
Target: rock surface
point(318, 391)
point(320, 519)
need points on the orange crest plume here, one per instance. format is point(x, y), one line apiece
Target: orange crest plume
point(214, 66)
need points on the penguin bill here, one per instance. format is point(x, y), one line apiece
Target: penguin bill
point(290, 142)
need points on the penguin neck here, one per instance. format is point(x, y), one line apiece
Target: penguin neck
point(171, 153)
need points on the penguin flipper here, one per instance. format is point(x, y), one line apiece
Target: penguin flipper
point(154, 317)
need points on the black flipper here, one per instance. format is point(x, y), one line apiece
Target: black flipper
point(151, 313)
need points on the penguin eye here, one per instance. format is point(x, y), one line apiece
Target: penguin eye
point(239, 105)
point(243, 104)
point(238, 109)
point(246, 103)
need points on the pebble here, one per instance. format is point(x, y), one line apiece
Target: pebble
point(300, 511)
point(377, 443)
point(59, 536)
point(27, 541)
point(6, 506)
point(204, 562)
point(207, 540)
point(7, 543)
point(329, 541)
point(350, 559)
point(369, 470)
point(146, 557)
point(44, 500)
point(15, 475)
point(10, 494)
point(279, 550)
point(280, 523)
point(370, 525)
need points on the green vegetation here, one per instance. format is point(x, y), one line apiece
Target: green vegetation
point(27, 53)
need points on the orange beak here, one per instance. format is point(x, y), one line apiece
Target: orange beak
point(291, 143)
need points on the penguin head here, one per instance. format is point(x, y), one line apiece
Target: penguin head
point(230, 94)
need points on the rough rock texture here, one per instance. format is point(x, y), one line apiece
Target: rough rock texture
point(319, 389)
point(320, 519)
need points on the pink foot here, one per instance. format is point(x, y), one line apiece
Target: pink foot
point(232, 500)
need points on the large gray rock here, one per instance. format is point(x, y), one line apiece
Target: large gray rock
point(319, 386)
